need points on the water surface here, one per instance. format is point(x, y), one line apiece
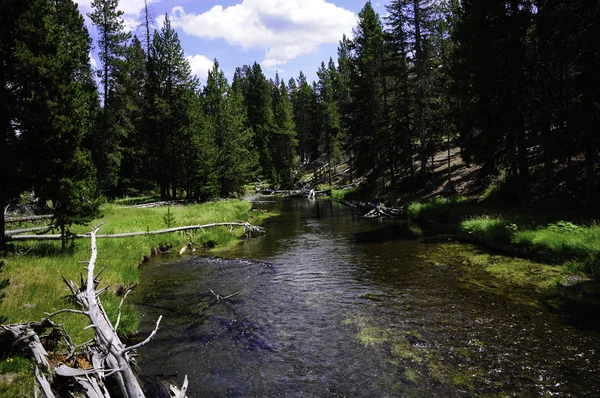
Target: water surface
point(325, 305)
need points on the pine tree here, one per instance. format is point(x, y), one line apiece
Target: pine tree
point(13, 33)
point(225, 119)
point(330, 116)
point(57, 111)
point(132, 175)
point(259, 107)
point(491, 77)
point(171, 94)
point(302, 99)
point(343, 95)
point(367, 101)
point(283, 141)
point(112, 39)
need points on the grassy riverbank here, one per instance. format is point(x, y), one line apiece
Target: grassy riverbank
point(35, 268)
point(547, 238)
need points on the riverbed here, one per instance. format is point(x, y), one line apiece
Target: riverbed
point(327, 305)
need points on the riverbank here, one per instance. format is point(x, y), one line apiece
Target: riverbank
point(35, 269)
point(574, 246)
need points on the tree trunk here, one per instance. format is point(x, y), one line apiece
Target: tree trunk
point(545, 100)
point(590, 155)
point(420, 89)
point(2, 222)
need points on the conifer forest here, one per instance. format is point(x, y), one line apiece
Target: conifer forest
point(515, 85)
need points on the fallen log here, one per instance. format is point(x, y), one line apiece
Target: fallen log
point(246, 225)
point(158, 204)
point(25, 230)
point(371, 210)
point(28, 218)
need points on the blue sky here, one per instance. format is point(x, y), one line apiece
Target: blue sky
point(284, 36)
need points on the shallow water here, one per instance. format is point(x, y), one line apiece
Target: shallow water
point(330, 306)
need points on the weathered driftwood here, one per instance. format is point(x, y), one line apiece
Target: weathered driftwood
point(26, 335)
point(306, 193)
point(113, 357)
point(158, 204)
point(371, 210)
point(25, 230)
point(107, 354)
point(28, 218)
point(246, 225)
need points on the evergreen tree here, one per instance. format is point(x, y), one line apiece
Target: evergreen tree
point(57, 114)
point(259, 107)
point(283, 142)
point(343, 94)
point(302, 99)
point(112, 39)
point(132, 174)
point(171, 92)
point(330, 145)
point(367, 101)
point(13, 33)
point(491, 60)
point(225, 116)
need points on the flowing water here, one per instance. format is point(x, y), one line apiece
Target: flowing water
point(324, 305)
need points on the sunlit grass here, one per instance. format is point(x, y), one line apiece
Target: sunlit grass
point(576, 246)
point(35, 268)
point(440, 209)
point(345, 194)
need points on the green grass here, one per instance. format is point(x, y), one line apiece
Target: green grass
point(441, 210)
point(136, 200)
point(16, 377)
point(559, 242)
point(35, 269)
point(346, 194)
point(562, 242)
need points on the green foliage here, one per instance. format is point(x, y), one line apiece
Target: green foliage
point(577, 246)
point(488, 229)
point(115, 118)
point(18, 376)
point(172, 114)
point(226, 121)
point(441, 209)
point(57, 109)
point(4, 283)
point(283, 142)
point(169, 218)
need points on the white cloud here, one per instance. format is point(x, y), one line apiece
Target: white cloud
point(285, 29)
point(131, 10)
point(93, 62)
point(200, 66)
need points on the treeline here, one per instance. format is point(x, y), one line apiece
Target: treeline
point(149, 127)
point(514, 84)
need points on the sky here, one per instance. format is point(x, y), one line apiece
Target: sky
point(284, 36)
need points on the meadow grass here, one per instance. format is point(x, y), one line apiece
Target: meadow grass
point(35, 268)
point(441, 210)
point(577, 247)
point(346, 194)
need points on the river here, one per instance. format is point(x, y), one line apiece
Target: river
point(325, 305)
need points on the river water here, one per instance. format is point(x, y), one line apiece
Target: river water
point(325, 305)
